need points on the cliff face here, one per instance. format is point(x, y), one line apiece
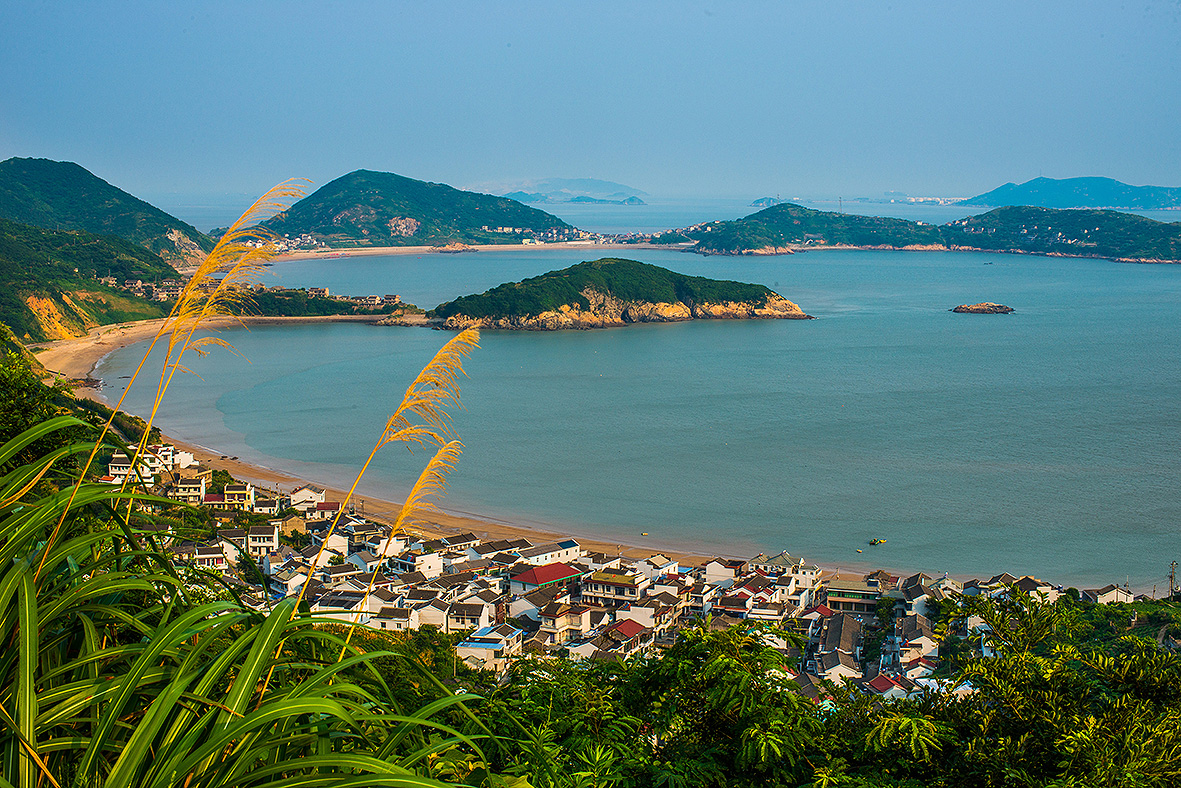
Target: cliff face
point(606, 311)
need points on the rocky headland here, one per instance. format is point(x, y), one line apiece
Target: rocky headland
point(983, 308)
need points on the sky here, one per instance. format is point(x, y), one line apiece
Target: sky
point(684, 98)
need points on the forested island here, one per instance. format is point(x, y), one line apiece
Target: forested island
point(789, 227)
point(612, 292)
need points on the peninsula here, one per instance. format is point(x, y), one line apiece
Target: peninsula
point(368, 208)
point(788, 227)
point(612, 292)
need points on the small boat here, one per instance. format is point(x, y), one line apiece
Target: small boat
point(645, 533)
point(877, 541)
point(859, 551)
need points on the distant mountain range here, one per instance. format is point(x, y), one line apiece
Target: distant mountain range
point(367, 208)
point(559, 190)
point(61, 195)
point(1072, 233)
point(582, 198)
point(1081, 193)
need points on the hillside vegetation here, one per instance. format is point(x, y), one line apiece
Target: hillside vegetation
point(1073, 233)
point(1080, 193)
point(48, 286)
point(61, 195)
point(788, 224)
point(1081, 233)
point(366, 208)
point(626, 280)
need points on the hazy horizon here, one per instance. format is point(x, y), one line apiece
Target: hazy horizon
point(741, 100)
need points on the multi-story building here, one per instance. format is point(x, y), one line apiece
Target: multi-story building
point(614, 587)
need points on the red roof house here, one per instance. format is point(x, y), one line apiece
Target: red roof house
point(541, 576)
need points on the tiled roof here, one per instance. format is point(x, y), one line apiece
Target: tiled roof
point(543, 575)
point(881, 683)
point(628, 628)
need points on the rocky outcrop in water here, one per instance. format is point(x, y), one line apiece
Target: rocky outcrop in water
point(606, 311)
point(983, 308)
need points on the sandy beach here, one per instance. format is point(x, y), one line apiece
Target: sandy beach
point(321, 254)
point(76, 359)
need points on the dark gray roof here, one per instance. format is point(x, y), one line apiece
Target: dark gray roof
point(841, 634)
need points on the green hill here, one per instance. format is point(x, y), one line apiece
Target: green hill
point(612, 291)
point(9, 343)
point(49, 287)
point(1080, 193)
point(788, 224)
point(366, 208)
point(61, 195)
point(1072, 233)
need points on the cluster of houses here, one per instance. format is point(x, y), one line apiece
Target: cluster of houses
point(164, 290)
point(368, 301)
point(549, 235)
point(512, 598)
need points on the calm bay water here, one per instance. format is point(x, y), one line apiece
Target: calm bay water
point(1046, 441)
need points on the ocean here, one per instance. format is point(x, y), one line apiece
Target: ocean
point(1045, 442)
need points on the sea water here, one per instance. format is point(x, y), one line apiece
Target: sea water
point(1046, 441)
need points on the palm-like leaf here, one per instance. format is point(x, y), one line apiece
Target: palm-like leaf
point(114, 679)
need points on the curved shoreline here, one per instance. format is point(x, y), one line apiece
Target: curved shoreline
point(373, 251)
point(77, 359)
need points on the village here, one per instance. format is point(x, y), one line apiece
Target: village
point(512, 599)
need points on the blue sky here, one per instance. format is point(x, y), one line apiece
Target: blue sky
point(676, 98)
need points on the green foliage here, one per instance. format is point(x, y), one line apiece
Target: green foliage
point(627, 280)
point(25, 402)
point(1068, 232)
point(1075, 233)
point(219, 480)
point(790, 224)
point(42, 263)
point(118, 674)
point(297, 303)
point(61, 195)
point(250, 572)
point(671, 237)
point(369, 208)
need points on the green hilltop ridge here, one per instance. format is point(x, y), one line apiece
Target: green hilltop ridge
point(367, 208)
point(1080, 193)
point(608, 292)
point(49, 286)
point(61, 195)
point(1024, 229)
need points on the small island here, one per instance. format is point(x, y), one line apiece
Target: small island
point(612, 292)
point(983, 308)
